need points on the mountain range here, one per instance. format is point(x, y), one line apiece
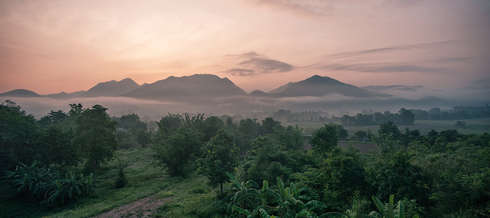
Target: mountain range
point(200, 86)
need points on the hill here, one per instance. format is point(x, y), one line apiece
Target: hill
point(112, 88)
point(188, 87)
point(20, 93)
point(320, 86)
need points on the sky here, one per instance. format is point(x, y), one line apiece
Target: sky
point(50, 46)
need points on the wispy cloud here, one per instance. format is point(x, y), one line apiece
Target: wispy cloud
point(394, 48)
point(252, 63)
point(240, 72)
point(407, 88)
point(302, 7)
point(380, 68)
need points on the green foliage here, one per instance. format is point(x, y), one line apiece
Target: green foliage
point(49, 186)
point(95, 135)
point(324, 139)
point(391, 209)
point(219, 158)
point(248, 200)
point(267, 161)
point(178, 149)
point(19, 134)
point(291, 138)
point(58, 148)
point(395, 174)
point(211, 126)
point(121, 179)
point(131, 131)
point(342, 174)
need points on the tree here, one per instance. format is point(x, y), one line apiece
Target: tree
point(389, 130)
point(95, 135)
point(58, 147)
point(211, 127)
point(342, 174)
point(269, 125)
point(394, 174)
point(19, 134)
point(168, 124)
point(406, 117)
point(291, 138)
point(324, 139)
point(219, 158)
point(178, 149)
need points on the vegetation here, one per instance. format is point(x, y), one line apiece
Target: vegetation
point(70, 164)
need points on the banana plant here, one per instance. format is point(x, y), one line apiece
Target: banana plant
point(390, 209)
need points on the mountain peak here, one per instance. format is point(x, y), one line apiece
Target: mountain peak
point(127, 80)
point(193, 86)
point(112, 88)
point(317, 85)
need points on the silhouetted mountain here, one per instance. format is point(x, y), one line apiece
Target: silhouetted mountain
point(20, 93)
point(188, 87)
point(320, 86)
point(112, 88)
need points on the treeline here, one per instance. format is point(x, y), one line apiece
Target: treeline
point(259, 168)
point(270, 173)
point(456, 113)
point(53, 160)
point(305, 116)
point(403, 117)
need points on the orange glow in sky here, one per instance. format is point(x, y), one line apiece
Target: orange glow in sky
point(63, 45)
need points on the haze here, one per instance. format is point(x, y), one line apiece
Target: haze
point(53, 46)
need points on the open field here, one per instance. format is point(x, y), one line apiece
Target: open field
point(473, 126)
point(145, 179)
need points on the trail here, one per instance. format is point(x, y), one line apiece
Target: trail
point(144, 207)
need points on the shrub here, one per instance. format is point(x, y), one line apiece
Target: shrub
point(48, 186)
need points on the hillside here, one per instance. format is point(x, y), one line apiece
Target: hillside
point(112, 88)
point(188, 87)
point(20, 93)
point(320, 86)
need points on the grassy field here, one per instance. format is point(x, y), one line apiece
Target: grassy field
point(473, 126)
point(184, 196)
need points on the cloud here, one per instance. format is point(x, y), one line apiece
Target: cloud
point(302, 7)
point(394, 48)
point(252, 63)
point(381, 68)
point(408, 88)
point(240, 72)
point(267, 65)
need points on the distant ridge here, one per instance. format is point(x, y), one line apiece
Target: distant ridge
point(20, 93)
point(112, 88)
point(205, 87)
point(320, 86)
point(195, 86)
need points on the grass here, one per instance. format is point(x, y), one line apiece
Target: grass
point(145, 178)
point(473, 126)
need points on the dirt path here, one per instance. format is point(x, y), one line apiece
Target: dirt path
point(144, 207)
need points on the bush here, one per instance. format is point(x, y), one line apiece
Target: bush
point(121, 180)
point(48, 186)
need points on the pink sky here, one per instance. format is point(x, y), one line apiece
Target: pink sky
point(52, 46)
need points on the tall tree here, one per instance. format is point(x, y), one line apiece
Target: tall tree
point(325, 138)
point(219, 158)
point(178, 149)
point(95, 135)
